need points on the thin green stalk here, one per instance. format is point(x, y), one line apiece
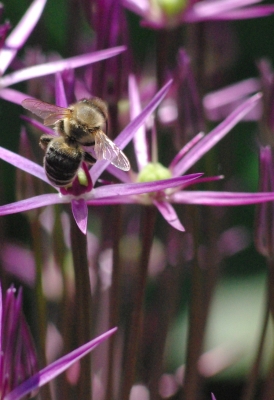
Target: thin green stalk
point(251, 385)
point(161, 54)
point(195, 334)
point(136, 324)
point(166, 301)
point(196, 48)
point(114, 297)
point(82, 305)
point(203, 281)
point(206, 229)
point(167, 46)
point(66, 319)
point(41, 325)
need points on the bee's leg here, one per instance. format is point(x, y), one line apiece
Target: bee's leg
point(44, 141)
point(89, 159)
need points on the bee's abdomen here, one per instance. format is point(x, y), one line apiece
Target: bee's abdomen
point(62, 163)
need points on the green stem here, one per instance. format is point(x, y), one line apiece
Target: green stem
point(203, 281)
point(166, 302)
point(195, 334)
point(39, 295)
point(161, 56)
point(66, 315)
point(82, 305)
point(196, 47)
point(136, 324)
point(114, 298)
point(250, 388)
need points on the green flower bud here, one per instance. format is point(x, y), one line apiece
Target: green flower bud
point(172, 7)
point(154, 172)
point(82, 177)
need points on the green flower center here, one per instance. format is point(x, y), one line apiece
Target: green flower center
point(82, 177)
point(172, 7)
point(154, 172)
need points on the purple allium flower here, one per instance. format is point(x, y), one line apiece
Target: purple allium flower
point(56, 368)
point(130, 191)
point(18, 362)
point(184, 160)
point(15, 41)
point(167, 14)
point(110, 194)
point(18, 357)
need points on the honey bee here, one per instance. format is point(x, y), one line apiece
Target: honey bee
point(78, 125)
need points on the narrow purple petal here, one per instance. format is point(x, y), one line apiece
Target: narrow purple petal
point(60, 95)
point(169, 214)
point(123, 176)
point(56, 368)
point(127, 134)
point(186, 149)
point(24, 164)
point(139, 139)
point(210, 198)
point(20, 34)
point(206, 179)
point(80, 213)
point(213, 397)
point(229, 96)
point(111, 201)
point(127, 189)
point(212, 138)
point(33, 202)
point(59, 65)
point(207, 8)
point(140, 7)
point(245, 13)
point(13, 95)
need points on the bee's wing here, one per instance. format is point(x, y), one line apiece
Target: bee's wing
point(49, 112)
point(105, 149)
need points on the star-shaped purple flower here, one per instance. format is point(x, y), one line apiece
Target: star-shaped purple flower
point(81, 197)
point(181, 163)
point(15, 41)
point(19, 373)
point(167, 14)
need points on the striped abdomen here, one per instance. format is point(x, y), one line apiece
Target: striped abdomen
point(62, 161)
